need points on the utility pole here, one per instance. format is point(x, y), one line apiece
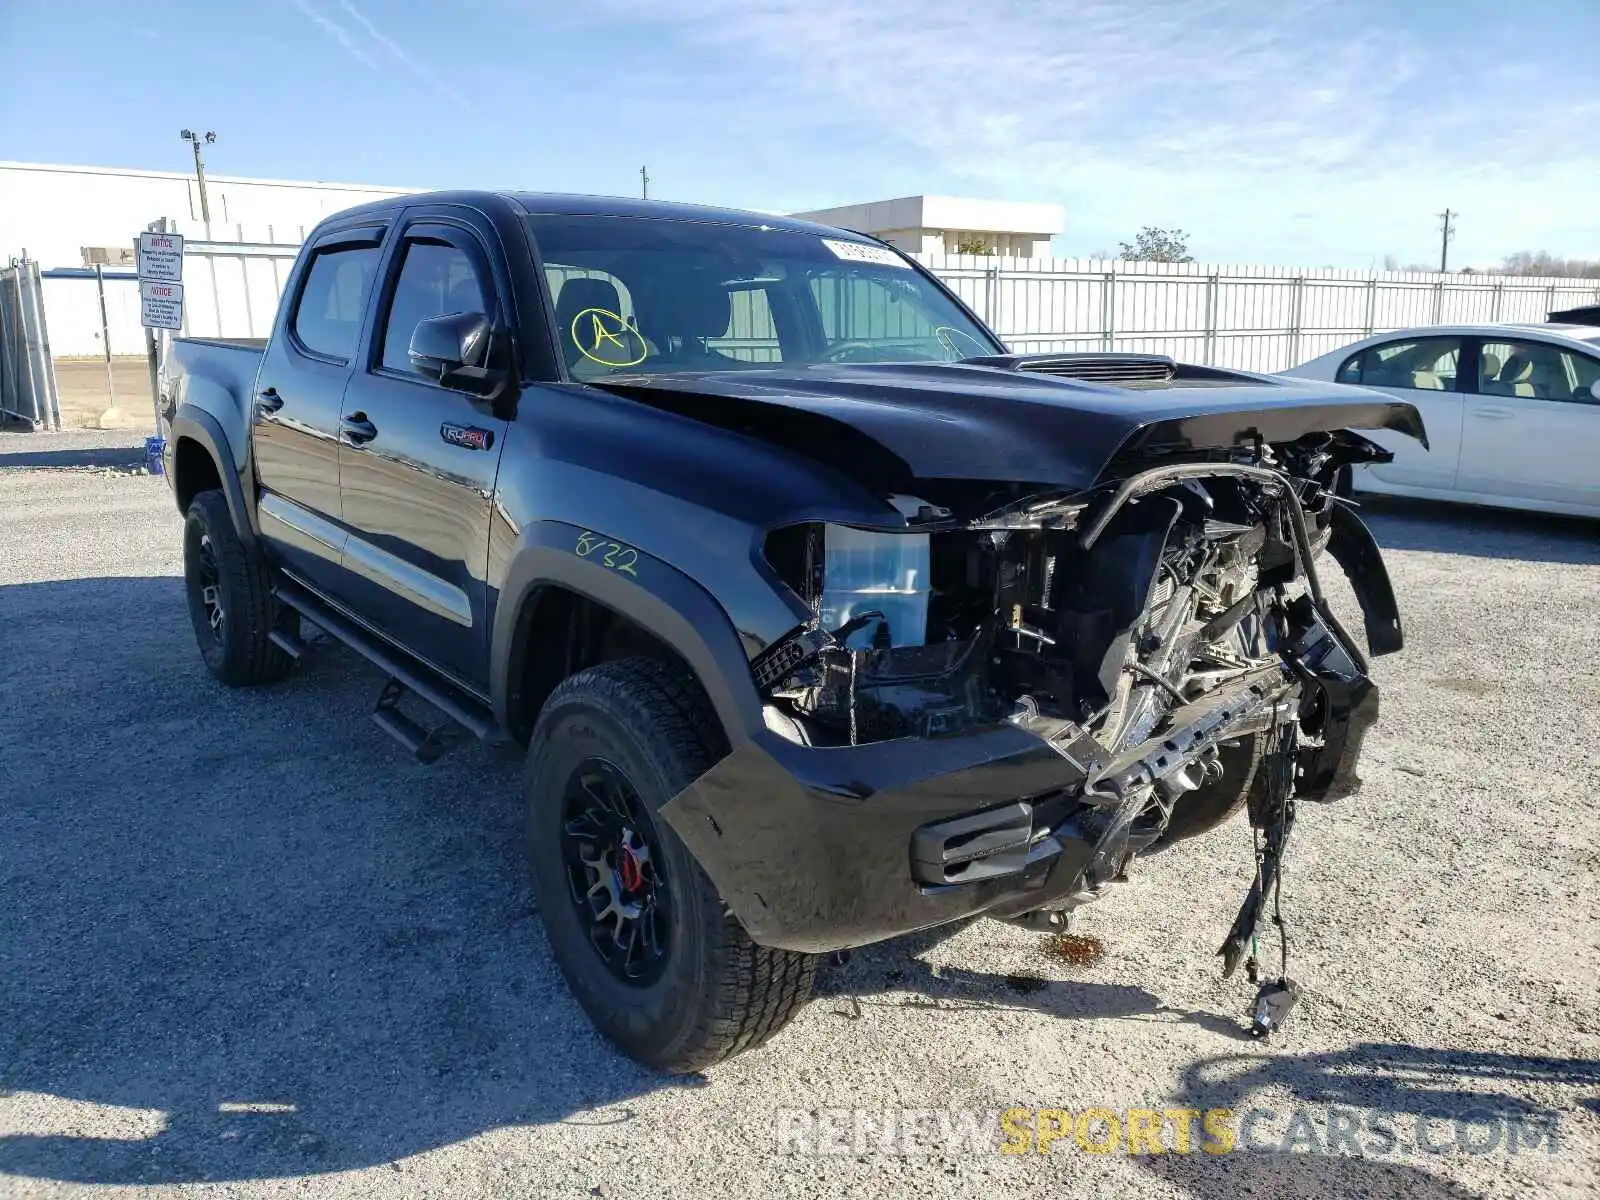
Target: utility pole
point(1446, 231)
point(194, 139)
point(644, 182)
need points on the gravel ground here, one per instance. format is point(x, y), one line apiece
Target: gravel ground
point(247, 948)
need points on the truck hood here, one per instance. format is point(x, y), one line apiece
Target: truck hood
point(987, 422)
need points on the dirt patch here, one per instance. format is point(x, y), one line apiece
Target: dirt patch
point(85, 392)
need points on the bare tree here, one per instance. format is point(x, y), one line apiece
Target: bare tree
point(1158, 245)
point(1542, 262)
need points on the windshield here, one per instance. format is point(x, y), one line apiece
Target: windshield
point(637, 295)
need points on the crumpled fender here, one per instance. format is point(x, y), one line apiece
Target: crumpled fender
point(1352, 546)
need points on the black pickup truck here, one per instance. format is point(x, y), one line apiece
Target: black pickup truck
point(823, 618)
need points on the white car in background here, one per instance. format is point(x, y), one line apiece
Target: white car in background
point(1512, 412)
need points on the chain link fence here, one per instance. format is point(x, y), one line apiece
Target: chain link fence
point(27, 373)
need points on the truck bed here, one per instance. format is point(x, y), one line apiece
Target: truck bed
point(215, 376)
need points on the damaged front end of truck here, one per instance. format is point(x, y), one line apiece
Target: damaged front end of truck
point(1090, 674)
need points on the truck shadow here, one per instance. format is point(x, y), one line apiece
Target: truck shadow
point(244, 936)
point(1438, 528)
point(883, 973)
point(1436, 1104)
point(123, 459)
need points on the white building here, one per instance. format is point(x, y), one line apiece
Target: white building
point(56, 212)
point(76, 216)
point(932, 224)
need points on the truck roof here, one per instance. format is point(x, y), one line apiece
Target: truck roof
point(564, 204)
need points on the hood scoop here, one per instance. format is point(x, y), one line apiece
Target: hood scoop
point(1117, 370)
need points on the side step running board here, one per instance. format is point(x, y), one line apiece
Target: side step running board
point(462, 712)
point(288, 643)
point(425, 745)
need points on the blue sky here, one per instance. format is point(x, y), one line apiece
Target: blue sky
point(1299, 131)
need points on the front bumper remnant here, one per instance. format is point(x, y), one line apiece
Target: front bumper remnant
point(822, 848)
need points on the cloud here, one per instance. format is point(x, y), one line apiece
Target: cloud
point(1245, 121)
point(337, 32)
point(352, 44)
point(398, 53)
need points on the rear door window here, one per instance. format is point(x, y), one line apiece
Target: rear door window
point(1423, 364)
point(327, 317)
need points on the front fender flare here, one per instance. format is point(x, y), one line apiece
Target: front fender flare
point(195, 423)
point(654, 594)
point(1352, 546)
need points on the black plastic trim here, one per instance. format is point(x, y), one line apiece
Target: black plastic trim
point(453, 701)
point(195, 423)
point(1352, 546)
point(655, 595)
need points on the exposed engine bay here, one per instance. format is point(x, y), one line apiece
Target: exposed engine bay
point(1166, 631)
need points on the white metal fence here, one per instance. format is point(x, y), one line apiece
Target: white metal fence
point(1250, 317)
point(231, 289)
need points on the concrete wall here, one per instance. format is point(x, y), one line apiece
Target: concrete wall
point(52, 211)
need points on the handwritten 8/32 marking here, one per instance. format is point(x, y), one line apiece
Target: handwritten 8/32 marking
point(610, 554)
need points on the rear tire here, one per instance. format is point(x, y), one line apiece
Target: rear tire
point(230, 597)
point(707, 991)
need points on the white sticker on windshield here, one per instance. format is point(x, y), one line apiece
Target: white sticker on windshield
point(880, 256)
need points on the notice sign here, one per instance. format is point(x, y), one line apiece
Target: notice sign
point(161, 257)
point(160, 304)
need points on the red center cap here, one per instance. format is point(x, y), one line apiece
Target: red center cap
point(631, 869)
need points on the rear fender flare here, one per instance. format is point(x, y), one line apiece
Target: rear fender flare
point(198, 425)
point(653, 594)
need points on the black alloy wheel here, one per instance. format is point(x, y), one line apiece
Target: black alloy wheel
point(614, 876)
point(208, 581)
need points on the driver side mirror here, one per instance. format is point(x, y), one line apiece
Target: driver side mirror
point(1594, 390)
point(453, 349)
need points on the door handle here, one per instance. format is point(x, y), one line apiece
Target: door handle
point(357, 430)
point(1491, 414)
point(268, 401)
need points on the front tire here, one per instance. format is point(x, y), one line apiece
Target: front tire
point(648, 947)
point(230, 597)
point(1209, 805)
